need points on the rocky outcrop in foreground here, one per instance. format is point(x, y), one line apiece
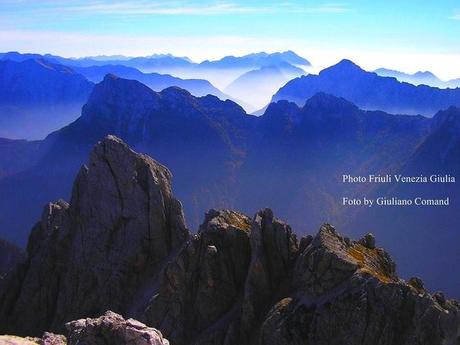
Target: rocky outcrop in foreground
point(110, 328)
point(46, 339)
point(121, 244)
point(101, 251)
point(242, 281)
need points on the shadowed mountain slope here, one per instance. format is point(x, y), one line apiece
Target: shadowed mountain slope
point(291, 159)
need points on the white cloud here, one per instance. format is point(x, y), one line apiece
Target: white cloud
point(167, 8)
point(455, 16)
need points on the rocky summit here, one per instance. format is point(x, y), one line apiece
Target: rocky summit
point(100, 251)
point(121, 244)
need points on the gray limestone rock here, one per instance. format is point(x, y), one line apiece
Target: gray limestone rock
point(113, 329)
point(200, 294)
point(101, 251)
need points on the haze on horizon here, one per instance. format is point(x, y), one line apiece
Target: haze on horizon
point(408, 36)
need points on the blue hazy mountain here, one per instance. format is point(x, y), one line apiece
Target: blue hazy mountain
point(418, 78)
point(20, 57)
point(370, 91)
point(227, 70)
point(157, 61)
point(291, 158)
point(257, 86)
point(257, 60)
point(220, 73)
point(38, 96)
point(161, 61)
point(19, 83)
point(156, 81)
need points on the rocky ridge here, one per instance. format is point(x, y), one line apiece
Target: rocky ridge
point(121, 244)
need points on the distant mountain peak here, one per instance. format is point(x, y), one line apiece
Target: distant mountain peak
point(346, 63)
point(371, 91)
point(281, 108)
point(258, 60)
point(120, 92)
point(344, 66)
point(175, 90)
point(425, 74)
point(418, 78)
point(176, 95)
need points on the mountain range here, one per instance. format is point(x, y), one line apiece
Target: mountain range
point(38, 96)
point(291, 158)
point(121, 244)
point(156, 81)
point(154, 61)
point(165, 62)
point(418, 78)
point(257, 60)
point(369, 91)
point(266, 72)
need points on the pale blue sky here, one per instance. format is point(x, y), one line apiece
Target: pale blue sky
point(409, 35)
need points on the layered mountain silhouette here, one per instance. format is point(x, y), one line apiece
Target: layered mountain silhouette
point(161, 62)
point(156, 61)
point(155, 81)
point(122, 244)
point(267, 72)
point(257, 60)
point(292, 159)
point(37, 97)
point(256, 87)
point(418, 78)
point(262, 71)
point(370, 91)
point(20, 57)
